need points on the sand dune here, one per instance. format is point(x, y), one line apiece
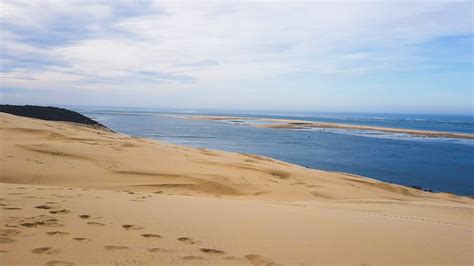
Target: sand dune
point(75, 195)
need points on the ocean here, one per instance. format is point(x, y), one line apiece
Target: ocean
point(438, 164)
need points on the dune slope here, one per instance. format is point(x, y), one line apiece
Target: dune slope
point(68, 190)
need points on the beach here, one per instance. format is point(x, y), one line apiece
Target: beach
point(70, 190)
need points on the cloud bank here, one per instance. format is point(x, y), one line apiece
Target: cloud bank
point(187, 53)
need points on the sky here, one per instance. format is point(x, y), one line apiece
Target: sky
point(334, 56)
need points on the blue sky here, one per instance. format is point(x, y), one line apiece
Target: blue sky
point(346, 56)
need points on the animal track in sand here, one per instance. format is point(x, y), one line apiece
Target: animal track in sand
point(186, 240)
point(131, 227)
point(57, 233)
point(151, 236)
point(63, 211)
point(112, 247)
point(96, 223)
point(45, 250)
point(59, 263)
point(84, 216)
point(256, 259)
point(212, 251)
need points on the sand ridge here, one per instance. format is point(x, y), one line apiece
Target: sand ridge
point(68, 190)
point(303, 124)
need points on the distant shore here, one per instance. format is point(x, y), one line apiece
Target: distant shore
point(304, 124)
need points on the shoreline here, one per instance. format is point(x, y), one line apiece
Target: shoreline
point(69, 190)
point(304, 124)
point(123, 140)
point(218, 118)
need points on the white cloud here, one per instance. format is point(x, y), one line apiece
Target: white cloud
point(197, 44)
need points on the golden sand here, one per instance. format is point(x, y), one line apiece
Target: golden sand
point(76, 195)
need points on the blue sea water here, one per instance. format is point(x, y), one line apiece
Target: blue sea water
point(438, 164)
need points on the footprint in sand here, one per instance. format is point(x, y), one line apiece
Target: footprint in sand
point(82, 239)
point(9, 232)
point(31, 224)
point(84, 216)
point(45, 207)
point(52, 222)
point(96, 223)
point(6, 240)
point(193, 257)
point(57, 233)
point(256, 259)
point(112, 247)
point(151, 236)
point(11, 208)
point(63, 211)
point(186, 240)
point(162, 250)
point(131, 227)
point(232, 258)
point(59, 263)
point(45, 250)
point(212, 251)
